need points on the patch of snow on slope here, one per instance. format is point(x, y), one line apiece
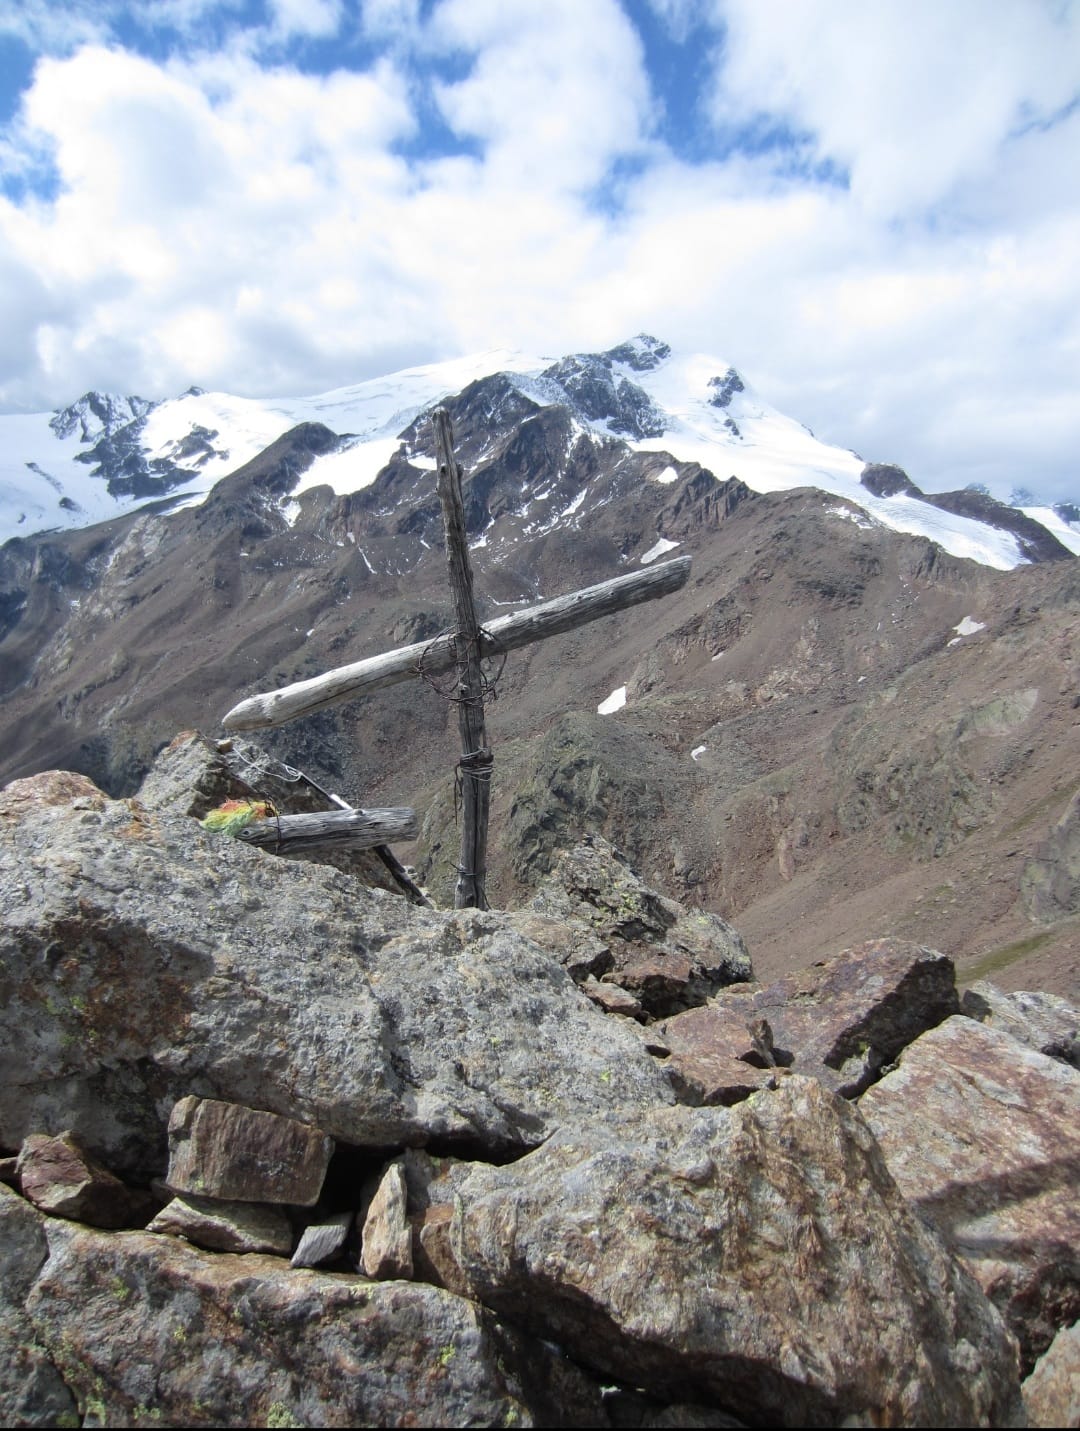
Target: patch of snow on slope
point(1066, 533)
point(351, 468)
point(657, 550)
point(967, 627)
point(614, 702)
point(860, 519)
point(698, 751)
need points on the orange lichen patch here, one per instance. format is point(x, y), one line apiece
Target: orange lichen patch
point(140, 825)
point(51, 787)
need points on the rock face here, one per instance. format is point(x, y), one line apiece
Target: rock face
point(1052, 1391)
point(839, 1021)
point(143, 960)
point(32, 1391)
point(759, 1256)
point(135, 1322)
point(518, 1224)
point(661, 953)
point(983, 1136)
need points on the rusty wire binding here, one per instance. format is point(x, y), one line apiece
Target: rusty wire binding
point(489, 689)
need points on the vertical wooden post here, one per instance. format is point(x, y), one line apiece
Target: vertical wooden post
point(476, 759)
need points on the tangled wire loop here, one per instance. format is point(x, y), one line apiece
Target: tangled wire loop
point(258, 765)
point(489, 679)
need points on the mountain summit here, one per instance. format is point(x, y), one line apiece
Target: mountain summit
point(106, 454)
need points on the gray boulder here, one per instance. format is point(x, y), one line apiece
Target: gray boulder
point(143, 959)
point(982, 1134)
point(148, 1330)
point(758, 1258)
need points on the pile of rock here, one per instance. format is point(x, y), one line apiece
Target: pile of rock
point(286, 1150)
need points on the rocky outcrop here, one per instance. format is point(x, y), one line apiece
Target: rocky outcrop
point(758, 1257)
point(1050, 885)
point(885, 479)
point(982, 1135)
point(840, 1021)
point(667, 957)
point(424, 1177)
point(143, 960)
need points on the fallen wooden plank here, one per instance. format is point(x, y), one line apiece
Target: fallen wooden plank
point(326, 829)
point(506, 633)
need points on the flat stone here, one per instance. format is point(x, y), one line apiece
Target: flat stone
point(321, 1241)
point(60, 1177)
point(844, 1019)
point(703, 1079)
point(225, 1226)
point(1052, 1391)
point(982, 1134)
point(386, 1245)
point(757, 1259)
point(1043, 1021)
point(224, 1150)
point(613, 998)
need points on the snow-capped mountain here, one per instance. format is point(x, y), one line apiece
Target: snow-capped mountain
point(108, 454)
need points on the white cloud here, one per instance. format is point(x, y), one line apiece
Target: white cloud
point(555, 92)
point(309, 18)
point(223, 220)
point(914, 98)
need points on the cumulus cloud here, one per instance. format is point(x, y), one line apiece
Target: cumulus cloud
point(882, 236)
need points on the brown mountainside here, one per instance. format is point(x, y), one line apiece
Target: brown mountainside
point(808, 745)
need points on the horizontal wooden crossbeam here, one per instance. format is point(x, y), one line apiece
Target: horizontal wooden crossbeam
point(506, 633)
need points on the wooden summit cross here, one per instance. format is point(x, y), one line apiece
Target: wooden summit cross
point(463, 650)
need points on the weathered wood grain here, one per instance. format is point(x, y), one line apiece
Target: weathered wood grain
point(505, 633)
point(338, 829)
point(476, 759)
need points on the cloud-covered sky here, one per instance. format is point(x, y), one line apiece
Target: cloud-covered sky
point(871, 209)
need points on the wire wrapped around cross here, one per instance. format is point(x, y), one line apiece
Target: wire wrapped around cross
point(477, 765)
point(489, 683)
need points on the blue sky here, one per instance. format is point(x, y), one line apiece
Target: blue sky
point(872, 210)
